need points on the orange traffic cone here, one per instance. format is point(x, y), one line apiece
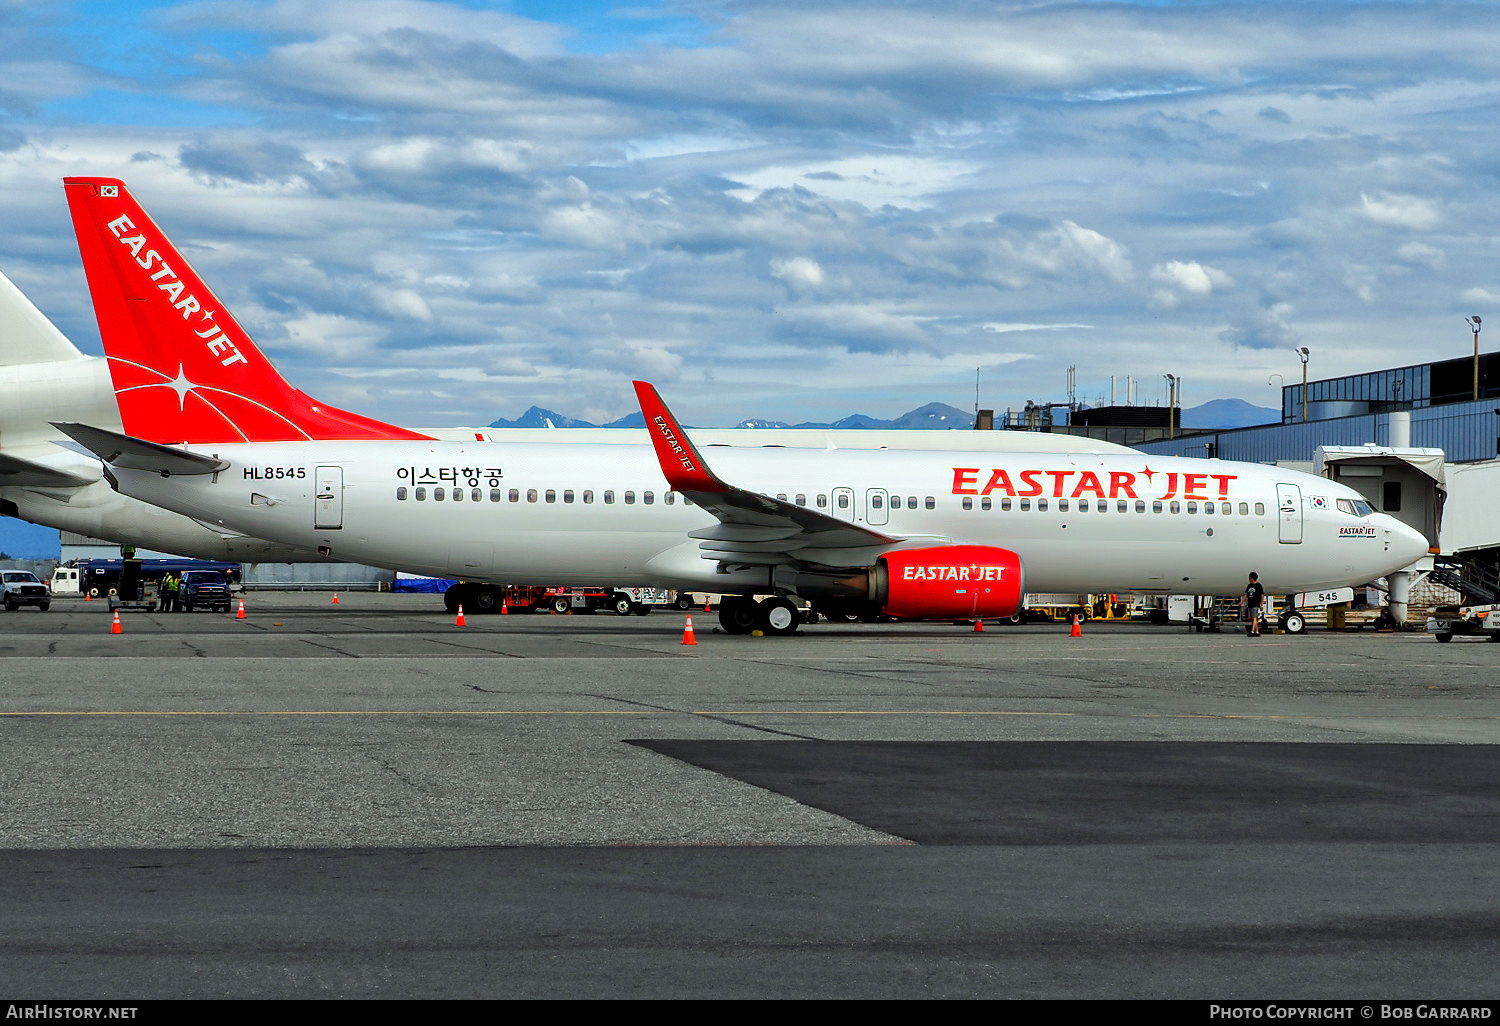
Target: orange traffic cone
point(687, 633)
point(978, 626)
point(460, 621)
point(87, 597)
point(241, 614)
point(115, 627)
point(505, 609)
point(335, 598)
point(1077, 631)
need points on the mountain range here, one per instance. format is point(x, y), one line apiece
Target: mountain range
point(1218, 413)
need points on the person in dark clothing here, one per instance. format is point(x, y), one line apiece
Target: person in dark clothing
point(1255, 596)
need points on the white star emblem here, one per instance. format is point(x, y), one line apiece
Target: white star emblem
point(182, 386)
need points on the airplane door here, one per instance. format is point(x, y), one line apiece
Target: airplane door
point(843, 504)
point(328, 499)
point(1289, 501)
point(875, 503)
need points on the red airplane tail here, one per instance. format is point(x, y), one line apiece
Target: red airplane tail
point(183, 368)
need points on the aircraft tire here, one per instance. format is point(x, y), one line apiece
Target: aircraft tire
point(777, 617)
point(1294, 623)
point(737, 615)
point(485, 599)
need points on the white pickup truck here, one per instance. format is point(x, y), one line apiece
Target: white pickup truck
point(23, 588)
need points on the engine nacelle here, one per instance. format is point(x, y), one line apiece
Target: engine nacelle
point(948, 581)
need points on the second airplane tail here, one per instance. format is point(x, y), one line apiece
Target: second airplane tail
point(183, 368)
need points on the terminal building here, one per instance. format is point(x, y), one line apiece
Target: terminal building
point(1447, 406)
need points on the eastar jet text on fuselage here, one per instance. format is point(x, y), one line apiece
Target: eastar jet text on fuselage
point(905, 534)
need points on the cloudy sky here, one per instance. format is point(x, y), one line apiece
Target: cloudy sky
point(441, 213)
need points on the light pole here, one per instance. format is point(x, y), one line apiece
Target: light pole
point(1302, 354)
point(1474, 327)
point(1172, 382)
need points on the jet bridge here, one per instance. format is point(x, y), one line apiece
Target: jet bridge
point(1405, 483)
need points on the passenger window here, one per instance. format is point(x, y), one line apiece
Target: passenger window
point(1062, 505)
point(801, 499)
point(458, 495)
point(400, 494)
point(494, 495)
point(968, 502)
point(1140, 505)
point(822, 501)
point(531, 495)
point(1156, 506)
point(588, 496)
point(669, 497)
point(1208, 508)
point(781, 496)
point(1260, 509)
point(567, 495)
point(984, 503)
point(648, 497)
point(931, 502)
point(876, 502)
point(1226, 508)
point(1025, 505)
point(1244, 509)
point(843, 502)
point(1192, 507)
point(1176, 506)
point(630, 498)
point(437, 495)
point(421, 494)
point(1005, 504)
point(515, 496)
point(609, 498)
point(1041, 505)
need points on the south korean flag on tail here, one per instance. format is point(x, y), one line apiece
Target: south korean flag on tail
point(109, 190)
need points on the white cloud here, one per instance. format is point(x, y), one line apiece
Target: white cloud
point(800, 273)
point(1398, 211)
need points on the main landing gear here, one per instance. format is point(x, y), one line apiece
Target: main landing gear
point(774, 617)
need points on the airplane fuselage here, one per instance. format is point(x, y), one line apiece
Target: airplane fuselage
point(546, 513)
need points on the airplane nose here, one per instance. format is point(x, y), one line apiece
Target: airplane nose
point(1406, 543)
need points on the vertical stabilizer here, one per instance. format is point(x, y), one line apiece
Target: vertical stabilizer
point(26, 336)
point(183, 368)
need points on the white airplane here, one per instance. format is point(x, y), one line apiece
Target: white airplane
point(211, 431)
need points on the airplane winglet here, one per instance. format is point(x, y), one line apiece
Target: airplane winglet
point(681, 463)
point(129, 453)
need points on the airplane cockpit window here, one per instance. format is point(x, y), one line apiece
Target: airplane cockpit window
point(1355, 507)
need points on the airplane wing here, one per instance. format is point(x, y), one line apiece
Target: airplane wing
point(16, 471)
point(753, 529)
point(129, 453)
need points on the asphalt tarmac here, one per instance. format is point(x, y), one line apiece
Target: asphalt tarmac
point(365, 800)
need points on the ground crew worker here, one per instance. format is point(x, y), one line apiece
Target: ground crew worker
point(1255, 595)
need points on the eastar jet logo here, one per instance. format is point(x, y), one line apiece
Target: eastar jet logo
point(1077, 484)
point(1362, 531)
point(218, 345)
point(670, 437)
point(973, 572)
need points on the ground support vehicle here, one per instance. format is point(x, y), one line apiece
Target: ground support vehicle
point(23, 588)
point(208, 589)
point(477, 597)
point(1476, 621)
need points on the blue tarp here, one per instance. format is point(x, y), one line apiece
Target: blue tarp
point(427, 585)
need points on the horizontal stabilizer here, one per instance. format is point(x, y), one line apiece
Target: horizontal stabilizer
point(16, 471)
point(129, 453)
